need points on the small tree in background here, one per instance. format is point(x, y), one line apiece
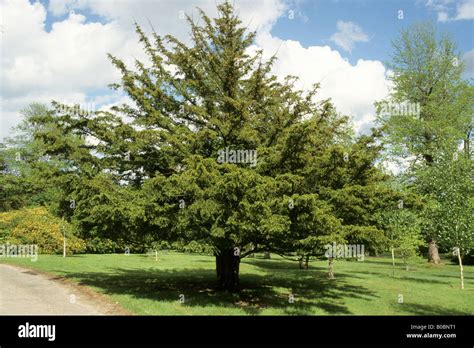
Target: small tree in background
point(404, 236)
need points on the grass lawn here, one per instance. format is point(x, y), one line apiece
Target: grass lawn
point(145, 286)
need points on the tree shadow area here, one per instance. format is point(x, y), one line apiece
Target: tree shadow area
point(293, 292)
point(420, 309)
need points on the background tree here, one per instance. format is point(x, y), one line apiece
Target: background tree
point(28, 174)
point(450, 182)
point(427, 75)
point(403, 229)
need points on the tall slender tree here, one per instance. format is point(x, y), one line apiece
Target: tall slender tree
point(429, 111)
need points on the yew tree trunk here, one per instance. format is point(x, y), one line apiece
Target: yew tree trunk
point(227, 268)
point(433, 255)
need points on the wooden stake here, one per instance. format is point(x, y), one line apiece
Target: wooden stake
point(460, 266)
point(64, 243)
point(393, 262)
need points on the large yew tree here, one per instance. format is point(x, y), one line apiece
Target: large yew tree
point(194, 101)
point(150, 170)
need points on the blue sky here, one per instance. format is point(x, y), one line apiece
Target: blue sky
point(315, 22)
point(56, 49)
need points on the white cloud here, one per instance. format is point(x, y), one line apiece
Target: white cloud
point(443, 16)
point(464, 9)
point(166, 15)
point(352, 88)
point(71, 57)
point(347, 35)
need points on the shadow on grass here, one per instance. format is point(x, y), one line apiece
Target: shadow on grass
point(285, 265)
point(385, 272)
point(403, 275)
point(455, 276)
point(312, 292)
point(387, 262)
point(419, 309)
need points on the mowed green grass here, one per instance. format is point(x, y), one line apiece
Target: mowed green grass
point(148, 287)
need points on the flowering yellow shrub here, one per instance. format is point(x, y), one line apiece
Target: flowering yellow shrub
point(38, 226)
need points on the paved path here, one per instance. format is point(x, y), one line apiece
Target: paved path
point(26, 292)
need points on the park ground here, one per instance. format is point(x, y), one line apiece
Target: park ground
point(184, 284)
